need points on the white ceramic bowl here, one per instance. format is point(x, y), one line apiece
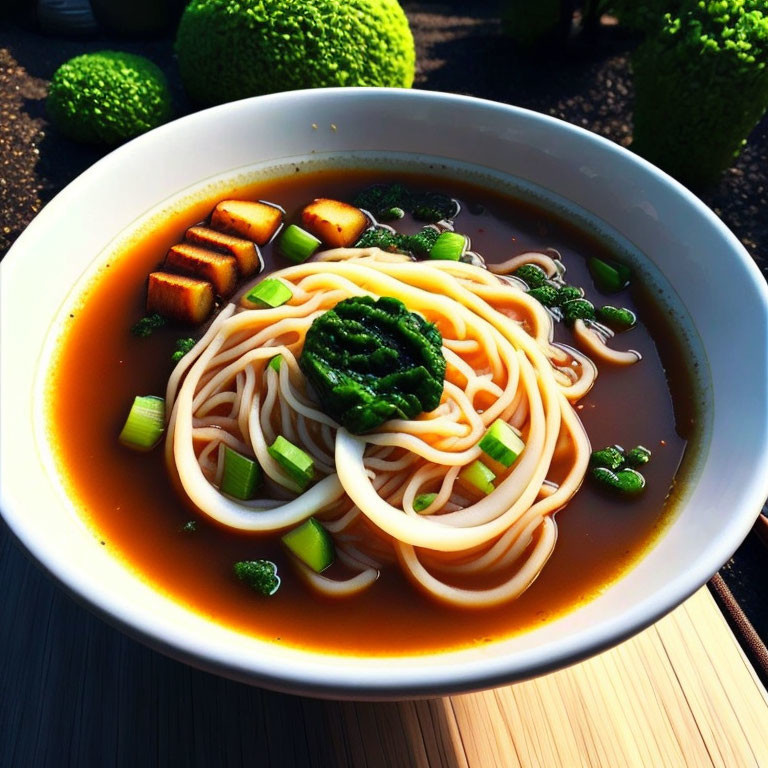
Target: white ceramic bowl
point(713, 279)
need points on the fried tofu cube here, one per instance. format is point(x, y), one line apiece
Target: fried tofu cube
point(247, 253)
point(178, 297)
point(217, 268)
point(252, 220)
point(337, 224)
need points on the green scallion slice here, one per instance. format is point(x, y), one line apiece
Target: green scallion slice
point(423, 500)
point(312, 544)
point(609, 278)
point(242, 476)
point(275, 362)
point(479, 476)
point(502, 443)
point(297, 245)
point(450, 246)
point(145, 423)
point(269, 293)
point(298, 464)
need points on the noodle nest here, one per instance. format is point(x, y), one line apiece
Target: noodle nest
point(466, 548)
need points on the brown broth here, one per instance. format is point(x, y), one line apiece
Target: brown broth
point(129, 503)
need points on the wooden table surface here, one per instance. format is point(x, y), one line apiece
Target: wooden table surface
point(75, 692)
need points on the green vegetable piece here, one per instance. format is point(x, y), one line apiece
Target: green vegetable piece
point(148, 325)
point(275, 362)
point(421, 243)
point(611, 458)
point(478, 475)
point(627, 482)
point(297, 245)
point(616, 318)
point(298, 464)
point(568, 293)
point(449, 246)
point(638, 456)
point(242, 475)
point(609, 278)
point(385, 202)
point(423, 500)
point(260, 575)
point(502, 443)
point(532, 275)
point(372, 360)
point(189, 527)
point(232, 49)
point(379, 237)
point(418, 244)
point(545, 294)
point(578, 309)
point(434, 207)
point(312, 544)
point(108, 97)
point(269, 293)
point(145, 423)
point(701, 85)
point(182, 347)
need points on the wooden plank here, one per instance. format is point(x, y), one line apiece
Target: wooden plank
point(73, 691)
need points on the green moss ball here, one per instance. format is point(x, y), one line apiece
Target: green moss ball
point(232, 49)
point(108, 97)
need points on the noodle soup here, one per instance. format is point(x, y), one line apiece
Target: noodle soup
point(406, 578)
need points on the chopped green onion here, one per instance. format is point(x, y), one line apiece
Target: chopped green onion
point(189, 527)
point(616, 318)
point(502, 443)
point(297, 464)
point(423, 500)
point(269, 293)
point(297, 245)
point(627, 482)
point(638, 456)
point(274, 363)
point(611, 457)
point(479, 476)
point(145, 423)
point(609, 278)
point(449, 247)
point(242, 476)
point(312, 544)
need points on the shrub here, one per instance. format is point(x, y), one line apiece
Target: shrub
point(231, 49)
point(108, 97)
point(701, 85)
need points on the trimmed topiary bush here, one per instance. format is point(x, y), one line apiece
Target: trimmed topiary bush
point(231, 49)
point(701, 85)
point(644, 15)
point(108, 97)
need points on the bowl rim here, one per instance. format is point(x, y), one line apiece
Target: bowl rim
point(381, 681)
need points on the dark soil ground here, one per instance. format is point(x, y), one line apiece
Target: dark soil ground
point(460, 48)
